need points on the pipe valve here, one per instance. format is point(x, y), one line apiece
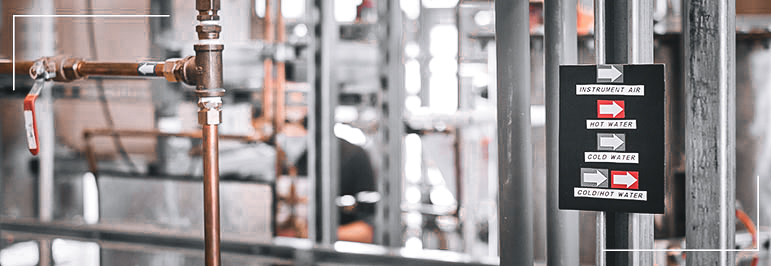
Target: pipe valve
point(42, 71)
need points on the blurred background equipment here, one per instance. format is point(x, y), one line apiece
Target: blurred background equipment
point(352, 132)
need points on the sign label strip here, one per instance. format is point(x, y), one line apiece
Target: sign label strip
point(611, 124)
point(612, 157)
point(617, 194)
point(602, 89)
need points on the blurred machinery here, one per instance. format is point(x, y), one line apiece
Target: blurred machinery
point(413, 83)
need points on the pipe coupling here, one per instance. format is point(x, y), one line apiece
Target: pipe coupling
point(57, 68)
point(183, 70)
point(43, 69)
point(210, 106)
point(210, 110)
point(208, 31)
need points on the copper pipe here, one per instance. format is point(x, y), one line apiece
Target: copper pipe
point(267, 66)
point(269, 32)
point(22, 67)
point(70, 69)
point(267, 90)
point(280, 115)
point(209, 89)
point(278, 92)
point(211, 195)
point(118, 69)
point(91, 158)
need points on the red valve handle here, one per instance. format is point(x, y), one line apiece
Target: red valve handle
point(30, 123)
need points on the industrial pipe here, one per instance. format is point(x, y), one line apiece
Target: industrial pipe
point(280, 84)
point(515, 152)
point(267, 66)
point(204, 70)
point(208, 67)
point(211, 195)
point(709, 70)
point(71, 69)
point(22, 67)
point(561, 48)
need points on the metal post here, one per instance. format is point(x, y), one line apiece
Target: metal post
point(395, 123)
point(327, 93)
point(45, 44)
point(710, 80)
point(561, 48)
point(640, 51)
point(313, 213)
point(599, 49)
point(512, 35)
point(628, 39)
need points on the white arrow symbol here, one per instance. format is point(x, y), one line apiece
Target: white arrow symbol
point(146, 69)
point(611, 142)
point(625, 179)
point(611, 73)
point(610, 109)
point(597, 177)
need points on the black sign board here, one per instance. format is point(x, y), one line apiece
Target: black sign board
point(611, 138)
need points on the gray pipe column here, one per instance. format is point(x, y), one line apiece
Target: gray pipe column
point(709, 34)
point(512, 37)
point(327, 159)
point(561, 48)
point(628, 39)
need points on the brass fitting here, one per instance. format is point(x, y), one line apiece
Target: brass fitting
point(208, 66)
point(43, 68)
point(57, 68)
point(183, 70)
point(208, 31)
point(210, 110)
point(207, 9)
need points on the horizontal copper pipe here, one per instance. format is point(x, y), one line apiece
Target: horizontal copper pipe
point(70, 69)
point(117, 69)
point(22, 67)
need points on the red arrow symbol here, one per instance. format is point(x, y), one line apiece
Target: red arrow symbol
point(610, 109)
point(624, 179)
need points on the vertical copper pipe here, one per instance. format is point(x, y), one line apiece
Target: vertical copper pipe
point(280, 74)
point(267, 65)
point(211, 195)
point(267, 90)
point(209, 89)
point(278, 90)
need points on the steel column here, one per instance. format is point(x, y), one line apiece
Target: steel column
point(599, 50)
point(395, 123)
point(46, 44)
point(628, 38)
point(640, 51)
point(327, 98)
point(710, 80)
point(561, 48)
point(313, 175)
point(512, 35)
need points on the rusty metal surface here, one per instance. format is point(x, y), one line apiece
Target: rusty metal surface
point(709, 34)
